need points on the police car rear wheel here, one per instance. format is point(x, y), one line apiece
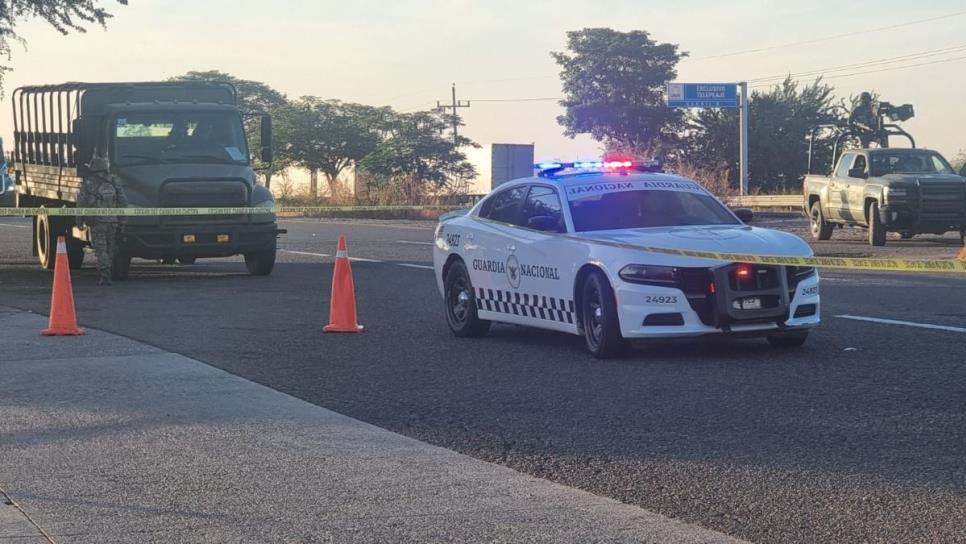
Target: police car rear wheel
point(601, 326)
point(789, 340)
point(461, 314)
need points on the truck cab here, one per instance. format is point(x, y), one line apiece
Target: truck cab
point(171, 144)
point(908, 191)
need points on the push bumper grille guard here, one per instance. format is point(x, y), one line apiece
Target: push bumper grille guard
point(713, 292)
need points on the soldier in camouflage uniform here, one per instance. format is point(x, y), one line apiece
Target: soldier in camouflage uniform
point(102, 190)
point(864, 119)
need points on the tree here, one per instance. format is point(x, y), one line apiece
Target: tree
point(779, 121)
point(417, 155)
point(328, 136)
point(614, 84)
point(255, 97)
point(65, 16)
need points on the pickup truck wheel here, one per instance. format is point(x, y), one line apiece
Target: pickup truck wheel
point(907, 235)
point(601, 325)
point(461, 305)
point(261, 263)
point(877, 231)
point(187, 260)
point(821, 230)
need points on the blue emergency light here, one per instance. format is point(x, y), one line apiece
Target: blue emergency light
point(549, 169)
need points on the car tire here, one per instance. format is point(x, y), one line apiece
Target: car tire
point(460, 303)
point(46, 231)
point(599, 319)
point(788, 340)
point(907, 235)
point(261, 263)
point(187, 260)
point(821, 229)
point(877, 231)
point(75, 253)
point(121, 267)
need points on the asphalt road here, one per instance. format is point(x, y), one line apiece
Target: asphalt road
point(858, 436)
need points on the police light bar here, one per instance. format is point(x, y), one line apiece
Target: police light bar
point(549, 169)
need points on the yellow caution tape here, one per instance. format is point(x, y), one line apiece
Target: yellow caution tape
point(166, 212)
point(849, 263)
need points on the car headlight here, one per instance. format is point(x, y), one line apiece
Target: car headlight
point(643, 273)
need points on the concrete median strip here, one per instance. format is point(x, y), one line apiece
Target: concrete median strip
point(106, 439)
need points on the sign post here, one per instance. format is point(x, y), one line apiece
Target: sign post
point(717, 95)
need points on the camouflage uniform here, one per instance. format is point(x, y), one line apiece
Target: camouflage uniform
point(102, 190)
point(864, 119)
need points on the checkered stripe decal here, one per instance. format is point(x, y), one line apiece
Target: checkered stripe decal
point(525, 304)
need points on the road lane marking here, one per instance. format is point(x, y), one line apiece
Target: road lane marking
point(15, 226)
point(903, 323)
point(364, 260)
point(305, 253)
point(420, 266)
point(414, 243)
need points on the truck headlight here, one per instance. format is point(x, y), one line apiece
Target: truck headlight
point(894, 192)
point(642, 273)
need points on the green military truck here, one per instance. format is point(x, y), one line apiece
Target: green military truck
point(172, 145)
point(908, 191)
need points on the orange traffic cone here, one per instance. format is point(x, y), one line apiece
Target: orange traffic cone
point(63, 320)
point(342, 309)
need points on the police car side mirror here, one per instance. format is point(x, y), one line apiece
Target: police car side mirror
point(547, 223)
point(746, 215)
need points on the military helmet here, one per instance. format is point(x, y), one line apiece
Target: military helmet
point(98, 164)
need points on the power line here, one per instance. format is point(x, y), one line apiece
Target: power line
point(865, 64)
point(536, 99)
point(828, 38)
point(890, 69)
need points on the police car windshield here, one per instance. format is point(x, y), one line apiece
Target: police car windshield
point(179, 137)
point(647, 208)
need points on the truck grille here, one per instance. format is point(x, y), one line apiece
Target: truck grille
point(942, 201)
point(191, 193)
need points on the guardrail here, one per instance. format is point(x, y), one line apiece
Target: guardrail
point(765, 201)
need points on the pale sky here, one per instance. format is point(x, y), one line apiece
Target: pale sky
point(405, 53)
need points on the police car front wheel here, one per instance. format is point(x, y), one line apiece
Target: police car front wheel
point(601, 326)
point(461, 314)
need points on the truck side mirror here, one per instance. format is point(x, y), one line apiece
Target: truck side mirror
point(267, 153)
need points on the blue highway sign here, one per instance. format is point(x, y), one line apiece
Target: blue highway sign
point(702, 95)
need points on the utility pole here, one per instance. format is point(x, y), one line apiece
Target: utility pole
point(456, 104)
point(743, 140)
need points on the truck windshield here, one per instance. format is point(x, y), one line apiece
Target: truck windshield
point(171, 137)
point(909, 162)
point(647, 208)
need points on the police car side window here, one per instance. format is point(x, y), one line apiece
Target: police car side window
point(542, 210)
point(505, 206)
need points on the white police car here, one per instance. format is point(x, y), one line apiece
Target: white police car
point(562, 251)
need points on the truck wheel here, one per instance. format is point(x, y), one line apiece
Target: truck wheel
point(261, 263)
point(821, 230)
point(877, 231)
point(788, 340)
point(46, 232)
point(460, 300)
point(187, 260)
point(907, 235)
point(121, 267)
point(602, 331)
point(75, 253)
